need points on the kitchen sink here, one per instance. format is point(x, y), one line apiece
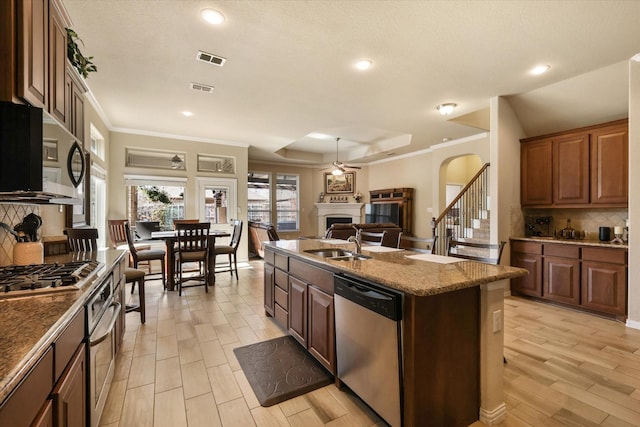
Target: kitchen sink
point(329, 252)
point(337, 254)
point(352, 257)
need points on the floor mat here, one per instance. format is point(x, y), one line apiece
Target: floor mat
point(280, 369)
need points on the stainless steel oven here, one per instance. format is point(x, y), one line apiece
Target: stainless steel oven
point(102, 314)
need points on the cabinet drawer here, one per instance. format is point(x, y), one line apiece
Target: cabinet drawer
point(25, 402)
point(282, 298)
point(282, 262)
point(281, 316)
point(614, 256)
point(282, 279)
point(565, 251)
point(527, 247)
point(269, 257)
point(318, 277)
point(67, 344)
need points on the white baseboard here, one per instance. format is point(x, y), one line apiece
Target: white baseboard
point(633, 324)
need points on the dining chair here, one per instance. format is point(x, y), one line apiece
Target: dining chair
point(118, 238)
point(82, 239)
point(231, 250)
point(490, 253)
point(371, 238)
point(149, 255)
point(417, 244)
point(133, 276)
point(193, 246)
point(184, 221)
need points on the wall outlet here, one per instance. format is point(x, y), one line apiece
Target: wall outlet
point(497, 321)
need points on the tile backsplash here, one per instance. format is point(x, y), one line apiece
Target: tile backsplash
point(12, 214)
point(588, 220)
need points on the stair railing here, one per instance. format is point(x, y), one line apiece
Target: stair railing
point(457, 218)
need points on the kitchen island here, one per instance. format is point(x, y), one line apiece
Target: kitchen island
point(38, 329)
point(452, 337)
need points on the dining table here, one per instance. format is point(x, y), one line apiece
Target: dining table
point(170, 237)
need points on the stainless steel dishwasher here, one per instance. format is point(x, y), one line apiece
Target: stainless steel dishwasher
point(368, 344)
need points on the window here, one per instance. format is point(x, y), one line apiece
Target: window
point(259, 197)
point(287, 202)
point(98, 209)
point(285, 193)
point(217, 201)
point(155, 200)
point(97, 142)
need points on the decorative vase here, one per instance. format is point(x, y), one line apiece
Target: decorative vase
point(26, 253)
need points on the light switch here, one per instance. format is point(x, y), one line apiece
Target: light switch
point(497, 321)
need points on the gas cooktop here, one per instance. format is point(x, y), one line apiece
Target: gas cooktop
point(36, 279)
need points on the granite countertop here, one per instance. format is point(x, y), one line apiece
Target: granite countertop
point(32, 323)
point(584, 242)
point(394, 268)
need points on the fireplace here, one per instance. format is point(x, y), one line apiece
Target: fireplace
point(338, 212)
point(338, 220)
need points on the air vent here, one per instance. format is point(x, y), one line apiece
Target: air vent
point(201, 87)
point(210, 58)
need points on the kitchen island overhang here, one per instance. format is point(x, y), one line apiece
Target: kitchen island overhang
point(442, 302)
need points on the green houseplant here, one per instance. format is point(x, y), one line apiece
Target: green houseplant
point(81, 63)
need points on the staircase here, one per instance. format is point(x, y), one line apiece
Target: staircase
point(467, 216)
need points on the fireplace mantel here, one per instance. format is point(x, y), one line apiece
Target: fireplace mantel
point(333, 210)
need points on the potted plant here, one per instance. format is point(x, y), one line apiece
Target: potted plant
point(81, 63)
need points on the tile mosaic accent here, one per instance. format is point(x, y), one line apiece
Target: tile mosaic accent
point(12, 214)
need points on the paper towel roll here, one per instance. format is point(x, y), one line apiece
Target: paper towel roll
point(25, 253)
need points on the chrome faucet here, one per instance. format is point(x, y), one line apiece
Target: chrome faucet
point(357, 239)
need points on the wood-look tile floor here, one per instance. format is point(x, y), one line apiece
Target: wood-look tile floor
point(178, 369)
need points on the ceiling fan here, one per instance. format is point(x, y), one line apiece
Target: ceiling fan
point(338, 167)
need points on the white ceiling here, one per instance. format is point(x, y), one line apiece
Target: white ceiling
point(289, 70)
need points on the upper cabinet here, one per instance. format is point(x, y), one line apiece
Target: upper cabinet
point(579, 168)
point(34, 64)
point(609, 160)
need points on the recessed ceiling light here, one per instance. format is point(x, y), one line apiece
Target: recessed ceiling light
point(447, 108)
point(187, 113)
point(212, 16)
point(364, 64)
point(540, 69)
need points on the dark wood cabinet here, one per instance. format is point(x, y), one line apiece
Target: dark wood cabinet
point(583, 167)
point(76, 92)
point(610, 165)
point(69, 395)
point(45, 417)
point(298, 310)
point(571, 169)
point(592, 278)
point(561, 280)
point(537, 173)
point(604, 280)
point(300, 298)
point(269, 291)
point(58, 98)
point(33, 52)
point(321, 338)
point(527, 255)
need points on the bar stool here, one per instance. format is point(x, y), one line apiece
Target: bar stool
point(133, 276)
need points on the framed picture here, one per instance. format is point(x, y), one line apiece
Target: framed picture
point(339, 184)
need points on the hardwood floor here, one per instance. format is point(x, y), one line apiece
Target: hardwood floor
point(564, 367)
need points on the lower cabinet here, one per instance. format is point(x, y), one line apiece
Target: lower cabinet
point(300, 298)
point(298, 310)
point(527, 255)
point(45, 417)
point(588, 277)
point(69, 395)
point(604, 281)
point(561, 273)
point(321, 340)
